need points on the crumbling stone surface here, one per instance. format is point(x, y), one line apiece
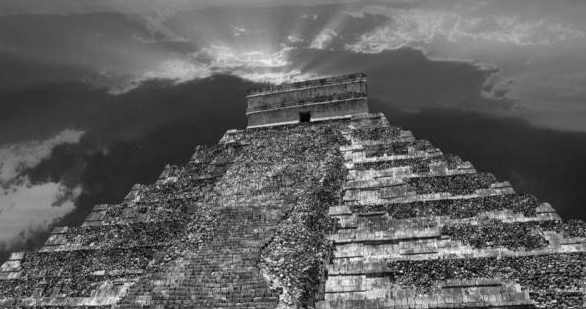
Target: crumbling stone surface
point(455, 184)
point(541, 274)
point(267, 244)
point(457, 208)
point(385, 134)
point(396, 148)
point(418, 165)
point(95, 264)
point(496, 233)
point(295, 257)
point(242, 225)
point(422, 229)
point(453, 161)
point(569, 228)
point(514, 235)
point(347, 213)
point(124, 235)
point(559, 299)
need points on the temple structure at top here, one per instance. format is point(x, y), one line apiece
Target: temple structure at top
point(312, 100)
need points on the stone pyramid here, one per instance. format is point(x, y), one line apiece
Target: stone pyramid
point(317, 204)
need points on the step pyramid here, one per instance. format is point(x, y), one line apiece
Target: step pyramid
point(343, 210)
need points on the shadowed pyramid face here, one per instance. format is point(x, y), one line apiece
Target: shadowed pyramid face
point(320, 99)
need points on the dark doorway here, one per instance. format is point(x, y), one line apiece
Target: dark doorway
point(304, 116)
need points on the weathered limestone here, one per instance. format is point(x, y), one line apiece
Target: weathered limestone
point(337, 213)
point(242, 225)
point(421, 229)
point(320, 99)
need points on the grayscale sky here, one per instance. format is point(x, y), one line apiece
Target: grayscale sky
point(96, 95)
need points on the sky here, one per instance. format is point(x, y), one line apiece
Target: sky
point(98, 95)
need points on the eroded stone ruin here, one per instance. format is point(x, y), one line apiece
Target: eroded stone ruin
point(317, 204)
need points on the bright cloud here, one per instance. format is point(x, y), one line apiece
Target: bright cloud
point(277, 77)
point(17, 157)
point(238, 31)
point(294, 39)
point(223, 57)
point(422, 27)
point(178, 70)
point(323, 39)
point(26, 208)
point(252, 64)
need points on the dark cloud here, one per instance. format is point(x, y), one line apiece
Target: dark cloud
point(104, 49)
point(409, 79)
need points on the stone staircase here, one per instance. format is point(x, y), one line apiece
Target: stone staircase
point(348, 213)
point(420, 229)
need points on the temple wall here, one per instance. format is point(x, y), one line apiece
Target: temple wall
point(322, 98)
point(306, 84)
point(321, 110)
point(347, 89)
